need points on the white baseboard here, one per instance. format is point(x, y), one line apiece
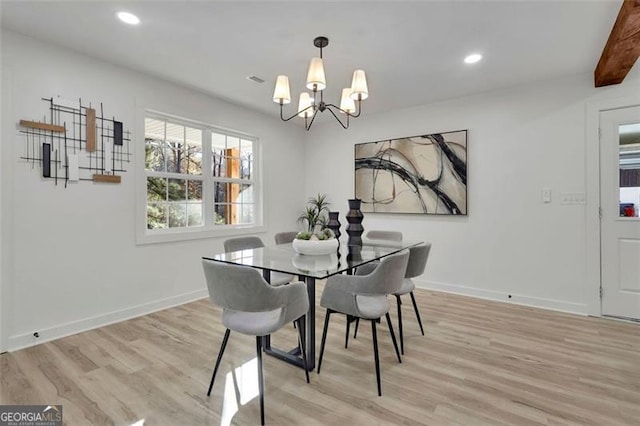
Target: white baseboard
point(25, 340)
point(516, 299)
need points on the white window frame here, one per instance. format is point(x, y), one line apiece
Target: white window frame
point(209, 229)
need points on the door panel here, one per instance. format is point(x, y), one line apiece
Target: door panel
point(629, 270)
point(620, 203)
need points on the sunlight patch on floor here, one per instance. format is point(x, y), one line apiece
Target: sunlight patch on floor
point(241, 386)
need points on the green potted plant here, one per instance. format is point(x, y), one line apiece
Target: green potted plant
point(317, 238)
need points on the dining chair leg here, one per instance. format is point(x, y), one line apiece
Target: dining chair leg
point(415, 308)
point(375, 355)
point(393, 337)
point(225, 339)
point(399, 303)
point(302, 350)
point(355, 333)
point(260, 377)
point(346, 335)
point(324, 338)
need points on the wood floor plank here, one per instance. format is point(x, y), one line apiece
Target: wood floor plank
point(480, 363)
point(15, 386)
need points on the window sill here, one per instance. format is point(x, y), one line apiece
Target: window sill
point(167, 236)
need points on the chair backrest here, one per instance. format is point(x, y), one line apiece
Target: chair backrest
point(242, 289)
point(285, 237)
point(384, 235)
point(242, 243)
point(239, 288)
point(417, 260)
point(387, 277)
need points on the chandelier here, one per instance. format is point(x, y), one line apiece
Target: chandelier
point(310, 105)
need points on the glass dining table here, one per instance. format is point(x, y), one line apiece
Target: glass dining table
point(282, 258)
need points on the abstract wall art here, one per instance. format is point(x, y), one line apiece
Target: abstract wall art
point(424, 174)
point(75, 144)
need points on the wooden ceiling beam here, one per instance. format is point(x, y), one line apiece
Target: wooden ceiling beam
point(622, 48)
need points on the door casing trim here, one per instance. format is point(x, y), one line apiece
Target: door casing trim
point(592, 207)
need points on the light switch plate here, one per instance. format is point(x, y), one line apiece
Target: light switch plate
point(572, 198)
point(546, 195)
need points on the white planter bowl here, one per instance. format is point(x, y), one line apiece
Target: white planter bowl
point(321, 262)
point(317, 247)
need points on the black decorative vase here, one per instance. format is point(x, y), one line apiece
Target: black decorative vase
point(354, 253)
point(354, 217)
point(334, 224)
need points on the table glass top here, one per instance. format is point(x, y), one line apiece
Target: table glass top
point(283, 258)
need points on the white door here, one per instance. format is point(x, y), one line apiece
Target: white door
point(619, 202)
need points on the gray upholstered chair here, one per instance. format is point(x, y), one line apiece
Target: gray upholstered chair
point(242, 243)
point(251, 306)
point(418, 256)
point(285, 237)
point(373, 236)
point(384, 235)
point(365, 296)
point(251, 242)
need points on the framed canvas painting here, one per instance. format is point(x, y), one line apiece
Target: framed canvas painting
point(424, 174)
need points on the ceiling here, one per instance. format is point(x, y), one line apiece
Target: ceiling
point(412, 51)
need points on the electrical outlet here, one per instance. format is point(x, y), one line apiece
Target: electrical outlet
point(546, 195)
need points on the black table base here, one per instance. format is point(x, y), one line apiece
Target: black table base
point(294, 355)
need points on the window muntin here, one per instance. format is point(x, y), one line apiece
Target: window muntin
point(179, 194)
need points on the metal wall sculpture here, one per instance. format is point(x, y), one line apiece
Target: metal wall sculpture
point(75, 144)
point(424, 174)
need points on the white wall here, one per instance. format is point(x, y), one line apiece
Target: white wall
point(520, 140)
point(70, 260)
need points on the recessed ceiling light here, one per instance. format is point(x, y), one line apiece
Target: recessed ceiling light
point(128, 18)
point(473, 58)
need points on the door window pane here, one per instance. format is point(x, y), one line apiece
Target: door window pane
point(629, 146)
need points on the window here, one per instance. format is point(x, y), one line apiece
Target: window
point(198, 178)
point(173, 161)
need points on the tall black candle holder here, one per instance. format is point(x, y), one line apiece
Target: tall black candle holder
point(334, 223)
point(354, 218)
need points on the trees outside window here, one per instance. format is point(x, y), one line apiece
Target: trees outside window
point(197, 176)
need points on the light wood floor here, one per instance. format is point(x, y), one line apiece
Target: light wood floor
point(480, 363)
